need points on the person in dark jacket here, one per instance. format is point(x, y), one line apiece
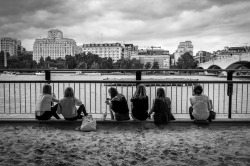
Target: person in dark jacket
point(118, 105)
point(161, 108)
point(139, 103)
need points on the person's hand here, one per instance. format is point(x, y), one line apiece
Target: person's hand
point(149, 116)
point(53, 94)
point(107, 102)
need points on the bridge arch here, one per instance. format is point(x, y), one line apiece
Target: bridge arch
point(214, 67)
point(240, 64)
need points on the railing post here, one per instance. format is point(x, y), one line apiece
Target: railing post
point(138, 77)
point(47, 75)
point(230, 93)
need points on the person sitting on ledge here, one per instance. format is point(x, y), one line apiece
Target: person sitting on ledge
point(118, 105)
point(44, 111)
point(201, 105)
point(67, 106)
point(139, 103)
point(162, 108)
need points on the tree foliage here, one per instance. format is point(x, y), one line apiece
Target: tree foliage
point(186, 61)
point(155, 65)
point(148, 65)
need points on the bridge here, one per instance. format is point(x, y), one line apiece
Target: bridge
point(235, 61)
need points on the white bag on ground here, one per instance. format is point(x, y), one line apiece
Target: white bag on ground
point(88, 123)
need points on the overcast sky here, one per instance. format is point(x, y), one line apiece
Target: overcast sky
point(209, 24)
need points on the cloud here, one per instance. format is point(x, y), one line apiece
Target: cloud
point(209, 24)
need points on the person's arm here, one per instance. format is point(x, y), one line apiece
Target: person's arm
point(210, 104)
point(152, 110)
point(77, 102)
point(55, 100)
point(191, 101)
point(170, 104)
point(146, 102)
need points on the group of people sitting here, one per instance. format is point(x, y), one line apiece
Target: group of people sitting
point(161, 108)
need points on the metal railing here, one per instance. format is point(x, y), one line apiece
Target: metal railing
point(229, 97)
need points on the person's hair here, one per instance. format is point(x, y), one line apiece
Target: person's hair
point(161, 93)
point(140, 92)
point(69, 92)
point(198, 89)
point(113, 92)
point(47, 89)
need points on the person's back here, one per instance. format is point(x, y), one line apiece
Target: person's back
point(200, 104)
point(43, 103)
point(162, 108)
point(140, 108)
point(44, 111)
point(119, 104)
point(68, 107)
point(139, 103)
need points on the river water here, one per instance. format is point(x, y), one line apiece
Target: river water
point(20, 98)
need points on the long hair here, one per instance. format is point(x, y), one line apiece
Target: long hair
point(47, 89)
point(198, 89)
point(140, 92)
point(160, 94)
point(69, 92)
point(113, 92)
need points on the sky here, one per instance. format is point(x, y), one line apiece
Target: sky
point(209, 24)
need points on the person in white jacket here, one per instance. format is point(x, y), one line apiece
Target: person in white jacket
point(44, 110)
point(67, 106)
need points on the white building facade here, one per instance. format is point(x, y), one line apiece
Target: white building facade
point(160, 56)
point(9, 45)
point(105, 50)
point(183, 47)
point(54, 46)
point(129, 50)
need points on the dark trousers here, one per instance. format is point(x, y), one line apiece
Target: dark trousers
point(48, 114)
point(192, 117)
point(80, 110)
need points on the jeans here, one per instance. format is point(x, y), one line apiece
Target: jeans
point(192, 117)
point(48, 114)
point(80, 110)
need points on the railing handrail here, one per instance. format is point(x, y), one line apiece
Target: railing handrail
point(117, 81)
point(125, 70)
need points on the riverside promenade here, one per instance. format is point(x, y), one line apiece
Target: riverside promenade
point(26, 141)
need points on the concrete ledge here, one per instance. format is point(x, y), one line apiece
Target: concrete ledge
point(108, 124)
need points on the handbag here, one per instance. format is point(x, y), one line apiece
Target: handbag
point(88, 123)
point(212, 114)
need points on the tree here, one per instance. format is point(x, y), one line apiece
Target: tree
point(106, 64)
point(120, 64)
point(48, 59)
point(70, 61)
point(186, 61)
point(147, 65)
point(136, 64)
point(82, 65)
point(155, 65)
point(95, 65)
point(41, 64)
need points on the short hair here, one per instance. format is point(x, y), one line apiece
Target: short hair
point(113, 92)
point(140, 91)
point(161, 93)
point(69, 92)
point(198, 89)
point(47, 89)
